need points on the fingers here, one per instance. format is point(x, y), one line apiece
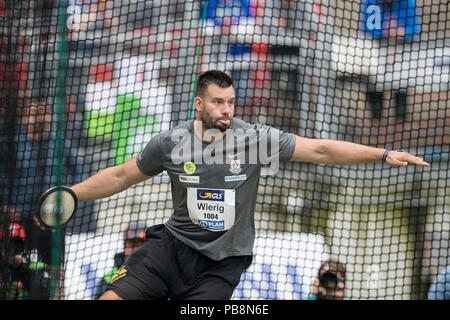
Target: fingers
point(416, 160)
point(402, 159)
point(43, 228)
point(37, 223)
point(421, 162)
point(400, 163)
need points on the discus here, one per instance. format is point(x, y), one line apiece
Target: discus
point(47, 211)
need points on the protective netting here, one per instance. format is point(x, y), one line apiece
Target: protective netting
point(368, 71)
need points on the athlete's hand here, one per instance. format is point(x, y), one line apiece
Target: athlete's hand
point(42, 227)
point(402, 159)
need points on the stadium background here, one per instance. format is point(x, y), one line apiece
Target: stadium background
point(309, 67)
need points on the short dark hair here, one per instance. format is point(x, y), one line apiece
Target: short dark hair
point(216, 77)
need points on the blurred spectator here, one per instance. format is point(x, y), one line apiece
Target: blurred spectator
point(440, 288)
point(32, 171)
point(20, 280)
point(9, 215)
point(134, 237)
point(330, 282)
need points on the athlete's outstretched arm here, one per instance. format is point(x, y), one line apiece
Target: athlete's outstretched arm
point(109, 181)
point(347, 153)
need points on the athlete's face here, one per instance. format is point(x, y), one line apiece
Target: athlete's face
point(216, 108)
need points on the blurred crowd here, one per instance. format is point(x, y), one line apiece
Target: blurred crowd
point(28, 73)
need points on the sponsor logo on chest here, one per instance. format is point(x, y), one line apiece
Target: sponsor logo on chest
point(211, 195)
point(189, 179)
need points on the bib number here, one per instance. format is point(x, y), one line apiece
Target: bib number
point(211, 209)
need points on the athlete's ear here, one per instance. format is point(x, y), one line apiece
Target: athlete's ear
point(198, 103)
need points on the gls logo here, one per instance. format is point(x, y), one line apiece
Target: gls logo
point(214, 195)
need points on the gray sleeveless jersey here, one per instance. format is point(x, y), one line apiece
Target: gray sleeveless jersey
point(214, 185)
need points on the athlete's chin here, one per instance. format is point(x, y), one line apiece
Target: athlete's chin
point(223, 125)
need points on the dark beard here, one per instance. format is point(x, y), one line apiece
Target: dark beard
point(208, 123)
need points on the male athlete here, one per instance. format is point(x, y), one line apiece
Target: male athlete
point(214, 163)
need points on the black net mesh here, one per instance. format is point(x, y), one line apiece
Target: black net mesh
point(368, 71)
